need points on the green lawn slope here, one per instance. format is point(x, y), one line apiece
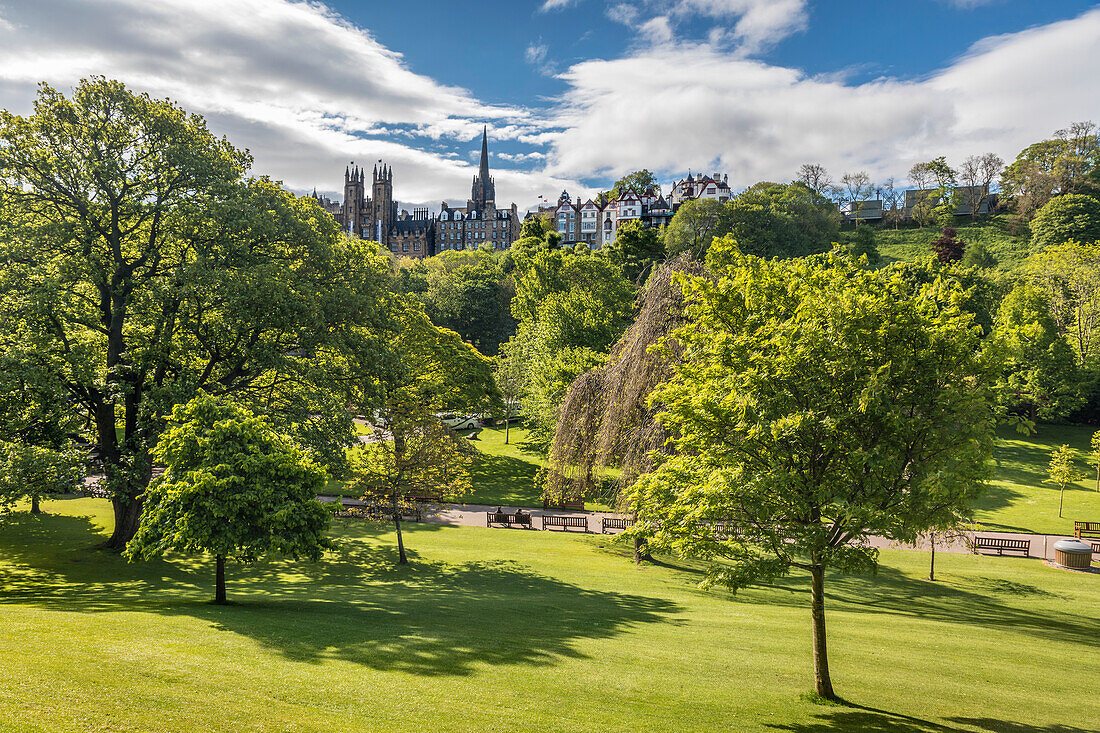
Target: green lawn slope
point(520, 630)
point(1020, 501)
point(913, 244)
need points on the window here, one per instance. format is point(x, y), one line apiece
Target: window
point(416, 246)
point(404, 246)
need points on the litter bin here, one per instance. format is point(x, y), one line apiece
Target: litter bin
point(1073, 554)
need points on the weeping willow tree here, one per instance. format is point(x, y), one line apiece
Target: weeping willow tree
point(606, 425)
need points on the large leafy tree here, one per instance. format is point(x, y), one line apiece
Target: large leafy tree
point(412, 455)
point(1038, 376)
point(782, 220)
point(1066, 163)
point(34, 473)
point(234, 488)
point(142, 269)
point(466, 291)
point(637, 181)
point(695, 225)
point(815, 405)
point(571, 307)
point(1070, 276)
point(1069, 218)
point(636, 249)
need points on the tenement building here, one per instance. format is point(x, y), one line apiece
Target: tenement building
point(479, 222)
point(419, 234)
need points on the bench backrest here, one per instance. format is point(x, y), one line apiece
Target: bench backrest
point(617, 523)
point(1001, 542)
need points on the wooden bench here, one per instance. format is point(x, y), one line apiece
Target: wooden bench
point(564, 504)
point(564, 521)
point(1002, 545)
point(620, 523)
point(1095, 550)
point(1086, 529)
point(507, 520)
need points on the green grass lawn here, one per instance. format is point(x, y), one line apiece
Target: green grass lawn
point(912, 244)
point(1019, 501)
point(517, 630)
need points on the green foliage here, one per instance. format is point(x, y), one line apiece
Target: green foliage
point(637, 181)
point(146, 270)
point(978, 255)
point(413, 455)
point(861, 243)
point(233, 487)
point(1038, 374)
point(571, 307)
point(1069, 274)
point(466, 291)
point(696, 223)
point(1068, 163)
point(1069, 218)
point(782, 220)
point(976, 291)
point(814, 405)
point(34, 473)
point(636, 249)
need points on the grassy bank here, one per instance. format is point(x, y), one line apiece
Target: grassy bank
point(511, 630)
point(912, 244)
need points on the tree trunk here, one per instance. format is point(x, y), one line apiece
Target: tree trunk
point(127, 521)
point(1061, 496)
point(219, 582)
point(822, 683)
point(507, 424)
point(932, 565)
point(1098, 476)
point(35, 508)
point(400, 541)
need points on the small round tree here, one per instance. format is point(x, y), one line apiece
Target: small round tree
point(234, 488)
point(948, 247)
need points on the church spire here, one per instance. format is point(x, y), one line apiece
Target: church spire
point(483, 189)
point(484, 172)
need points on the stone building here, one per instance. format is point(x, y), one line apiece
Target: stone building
point(479, 222)
point(419, 234)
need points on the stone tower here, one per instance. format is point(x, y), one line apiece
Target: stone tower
point(484, 193)
point(355, 202)
point(382, 214)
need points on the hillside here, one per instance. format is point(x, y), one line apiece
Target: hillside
point(910, 244)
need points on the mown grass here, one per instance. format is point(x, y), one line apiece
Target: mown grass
point(913, 244)
point(1018, 499)
point(515, 630)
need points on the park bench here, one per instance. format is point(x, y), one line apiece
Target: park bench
point(564, 521)
point(1095, 544)
point(427, 499)
point(564, 504)
point(507, 520)
point(1086, 529)
point(607, 523)
point(1002, 545)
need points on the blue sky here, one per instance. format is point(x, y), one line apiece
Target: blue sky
point(576, 92)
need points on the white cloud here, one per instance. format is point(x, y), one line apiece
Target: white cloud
point(756, 24)
point(694, 105)
point(968, 4)
point(550, 5)
point(292, 81)
point(536, 53)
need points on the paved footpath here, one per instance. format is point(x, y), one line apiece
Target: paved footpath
point(473, 515)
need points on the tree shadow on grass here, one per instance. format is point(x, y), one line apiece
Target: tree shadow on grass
point(852, 717)
point(357, 605)
point(890, 591)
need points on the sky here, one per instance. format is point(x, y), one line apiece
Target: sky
point(576, 93)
